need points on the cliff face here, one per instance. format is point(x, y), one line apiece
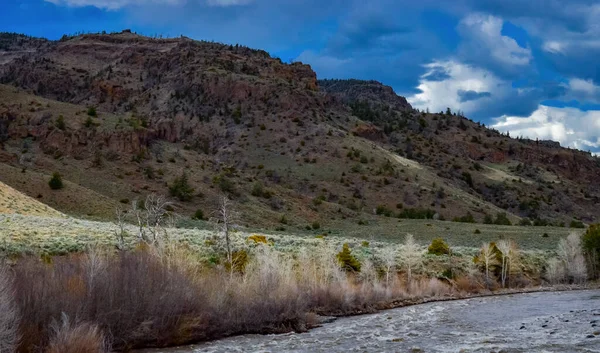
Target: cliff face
point(373, 92)
point(233, 118)
point(170, 84)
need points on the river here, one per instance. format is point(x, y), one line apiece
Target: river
point(534, 322)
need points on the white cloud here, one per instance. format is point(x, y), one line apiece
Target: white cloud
point(225, 3)
point(117, 4)
point(484, 36)
point(437, 95)
point(555, 47)
point(569, 126)
point(584, 86)
point(112, 4)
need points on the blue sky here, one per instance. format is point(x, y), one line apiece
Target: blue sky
point(528, 67)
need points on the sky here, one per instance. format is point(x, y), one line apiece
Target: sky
point(528, 67)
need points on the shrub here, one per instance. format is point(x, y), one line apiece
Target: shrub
point(60, 122)
point(347, 261)
point(316, 225)
point(591, 245)
point(283, 219)
point(477, 231)
point(438, 247)
point(170, 297)
point(576, 224)
point(89, 122)
point(538, 222)
point(181, 188)
point(383, 210)
point(257, 189)
point(76, 338)
point(257, 238)
point(416, 213)
point(9, 318)
point(198, 215)
point(487, 219)
point(468, 178)
point(225, 184)
point(502, 219)
point(55, 182)
point(468, 218)
point(525, 222)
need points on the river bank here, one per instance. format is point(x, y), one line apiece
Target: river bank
point(540, 321)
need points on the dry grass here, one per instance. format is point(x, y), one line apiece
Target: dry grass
point(76, 338)
point(8, 313)
point(159, 298)
point(12, 201)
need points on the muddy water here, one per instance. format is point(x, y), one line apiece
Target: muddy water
point(536, 322)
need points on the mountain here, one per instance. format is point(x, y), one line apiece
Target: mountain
point(121, 115)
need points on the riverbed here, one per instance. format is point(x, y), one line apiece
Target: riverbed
point(535, 322)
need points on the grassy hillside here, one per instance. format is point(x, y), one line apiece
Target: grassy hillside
point(14, 202)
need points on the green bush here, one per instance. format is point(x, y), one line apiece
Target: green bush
point(525, 222)
point(468, 178)
point(347, 260)
point(92, 111)
point(416, 213)
point(55, 182)
point(89, 122)
point(468, 218)
point(591, 244)
point(383, 210)
point(576, 224)
point(225, 184)
point(438, 247)
point(181, 188)
point(540, 222)
point(502, 219)
point(257, 189)
point(198, 215)
point(316, 225)
point(487, 219)
point(60, 122)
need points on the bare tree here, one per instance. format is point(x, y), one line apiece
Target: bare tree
point(157, 216)
point(225, 219)
point(9, 316)
point(571, 254)
point(152, 219)
point(510, 258)
point(487, 257)
point(120, 222)
point(504, 247)
point(388, 257)
point(555, 271)
point(411, 255)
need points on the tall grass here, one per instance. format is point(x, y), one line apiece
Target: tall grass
point(170, 296)
point(76, 338)
point(151, 298)
point(8, 312)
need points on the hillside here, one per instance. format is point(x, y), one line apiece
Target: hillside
point(14, 202)
point(121, 115)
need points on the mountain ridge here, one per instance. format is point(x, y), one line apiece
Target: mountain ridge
point(139, 112)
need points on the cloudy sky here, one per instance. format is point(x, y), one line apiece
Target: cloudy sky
point(530, 67)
